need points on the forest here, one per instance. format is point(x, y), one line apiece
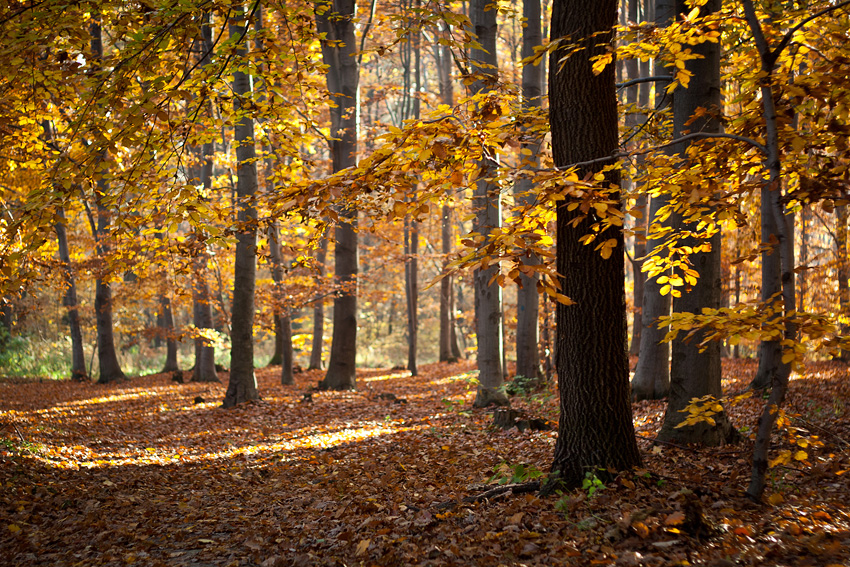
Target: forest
point(474, 282)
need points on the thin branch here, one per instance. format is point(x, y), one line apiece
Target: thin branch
point(656, 79)
point(786, 39)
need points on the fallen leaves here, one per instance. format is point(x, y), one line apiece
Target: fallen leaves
point(136, 473)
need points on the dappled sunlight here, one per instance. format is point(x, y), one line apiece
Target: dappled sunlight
point(384, 377)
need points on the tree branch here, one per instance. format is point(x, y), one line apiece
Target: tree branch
point(656, 79)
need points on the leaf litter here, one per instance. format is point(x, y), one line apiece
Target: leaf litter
point(142, 473)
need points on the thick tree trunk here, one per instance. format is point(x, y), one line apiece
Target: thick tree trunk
point(335, 21)
point(78, 360)
point(319, 312)
point(528, 298)
point(652, 374)
point(696, 372)
point(242, 386)
point(595, 431)
point(488, 217)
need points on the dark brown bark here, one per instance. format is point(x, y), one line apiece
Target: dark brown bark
point(488, 217)
point(242, 386)
point(595, 431)
point(168, 331)
point(843, 271)
point(335, 22)
point(411, 289)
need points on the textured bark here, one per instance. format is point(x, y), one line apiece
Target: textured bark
point(528, 298)
point(488, 217)
point(338, 53)
point(652, 374)
point(319, 312)
point(78, 360)
point(696, 372)
point(110, 369)
point(242, 386)
point(595, 431)
point(282, 318)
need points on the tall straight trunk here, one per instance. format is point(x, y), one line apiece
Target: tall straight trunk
point(652, 374)
point(319, 312)
point(639, 95)
point(110, 368)
point(488, 218)
point(805, 228)
point(242, 386)
point(335, 22)
point(528, 298)
point(449, 350)
point(843, 270)
point(78, 359)
point(411, 287)
point(695, 371)
point(595, 431)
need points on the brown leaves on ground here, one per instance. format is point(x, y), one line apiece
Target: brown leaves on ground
point(139, 473)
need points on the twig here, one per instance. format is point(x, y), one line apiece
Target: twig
point(659, 441)
point(825, 430)
point(517, 488)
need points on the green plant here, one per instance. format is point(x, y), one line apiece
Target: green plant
point(521, 386)
point(512, 474)
point(592, 484)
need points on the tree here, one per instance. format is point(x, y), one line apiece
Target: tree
point(488, 216)
point(243, 384)
point(695, 368)
point(652, 374)
point(110, 368)
point(78, 360)
point(595, 431)
point(319, 310)
point(335, 23)
point(528, 297)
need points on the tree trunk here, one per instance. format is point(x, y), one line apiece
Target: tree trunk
point(488, 217)
point(652, 374)
point(78, 360)
point(319, 312)
point(843, 271)
point(528, 298)
point(595, 431)
point(695, 372)
point(338, 53)
point(110, 368)
point(411, 289)
point(242, 386)
point(168, 329)
point(282, 320)
point(449, 350)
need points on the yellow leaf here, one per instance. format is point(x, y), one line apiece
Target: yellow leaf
point(14, 528)
point(363, 546)
point(776, 498)
point(801, 456)
point(606, 252)
point(788, 357)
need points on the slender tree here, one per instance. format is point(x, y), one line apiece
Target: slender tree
point(528, 298)
point(595, 431)
point(652, 374)
point(488, 217)
point(110, 368)
point(69, 300)
point(335, 23)
point(319, 310)
point(243, 384)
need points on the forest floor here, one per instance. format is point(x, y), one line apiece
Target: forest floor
point(142, 473)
